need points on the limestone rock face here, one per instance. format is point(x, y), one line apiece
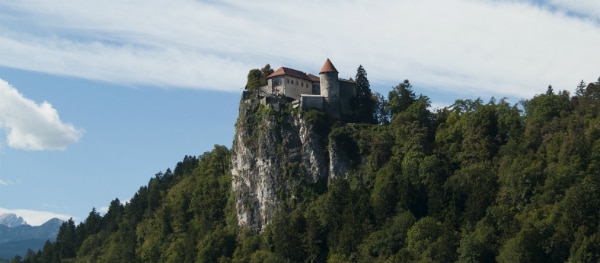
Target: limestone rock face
point(273, 152)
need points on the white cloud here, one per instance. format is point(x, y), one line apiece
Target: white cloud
point(8, 182)
point(35, 218)
point(488, 48)
point(32, 126)
point(103, 210)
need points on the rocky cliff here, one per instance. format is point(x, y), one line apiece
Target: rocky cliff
point(277, 148)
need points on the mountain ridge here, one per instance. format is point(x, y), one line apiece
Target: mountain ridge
point(11, 220)
point(17, 239)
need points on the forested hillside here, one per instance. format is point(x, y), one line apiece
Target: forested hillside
point(478, 181)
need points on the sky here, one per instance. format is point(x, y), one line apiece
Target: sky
point(96, 97)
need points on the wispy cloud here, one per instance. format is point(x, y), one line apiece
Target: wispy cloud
point(8, 182)
point(500, 48)
point(34, 217)
point(32, 126)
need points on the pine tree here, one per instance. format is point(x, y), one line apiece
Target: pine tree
point(365, 105)
point(580, 91)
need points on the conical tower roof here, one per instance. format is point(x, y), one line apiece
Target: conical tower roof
point(328, 67)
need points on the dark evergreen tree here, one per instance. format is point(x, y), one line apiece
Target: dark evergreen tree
point(48, 253)
point(16, 259)
point(30, 256)
point(66, 240)
point(365, 103)
point(580, 91)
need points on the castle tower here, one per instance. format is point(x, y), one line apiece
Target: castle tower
point(330, 89)
point(330, 86)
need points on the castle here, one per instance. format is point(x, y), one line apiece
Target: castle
point(327, 92)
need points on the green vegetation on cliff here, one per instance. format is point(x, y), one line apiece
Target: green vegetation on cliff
point(473, 182)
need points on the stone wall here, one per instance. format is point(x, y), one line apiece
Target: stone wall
point(290, 87)
point(347, 93)
point(308, 102)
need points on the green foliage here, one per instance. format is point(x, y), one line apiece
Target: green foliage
point(472, 182)
point(400, 98)
point(258, 77)
point(382, 115)
point(388, 240)
point(319, 120)
point(420, 235)
point(365, 102)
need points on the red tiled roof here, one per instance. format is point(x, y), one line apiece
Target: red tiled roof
point(289, 72)
point(328, 67)
point(314, 78)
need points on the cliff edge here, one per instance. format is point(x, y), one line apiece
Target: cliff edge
point(276, 149)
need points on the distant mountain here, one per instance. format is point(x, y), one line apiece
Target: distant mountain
point(17, 239)
point(11, 220)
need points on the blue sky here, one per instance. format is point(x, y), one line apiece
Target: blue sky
point(98, 96)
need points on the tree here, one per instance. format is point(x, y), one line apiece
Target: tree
point(253, 79)
point(66, 240)
point(93, 223)
point(16, 259)
point(421, 235)
point(389, 239)
point(384, 195)
point(592, 92)
point(258, 77)
point(264, 73)
point(313, 238)
point(549, 91)
point(401, 97)
point(580, 91)
point(48, 253)
point(382, 114)
point(30, 256)
point(365, 103)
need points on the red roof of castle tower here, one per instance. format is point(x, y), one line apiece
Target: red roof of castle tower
point(328, 67)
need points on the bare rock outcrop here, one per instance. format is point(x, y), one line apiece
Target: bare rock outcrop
point(274, 150)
